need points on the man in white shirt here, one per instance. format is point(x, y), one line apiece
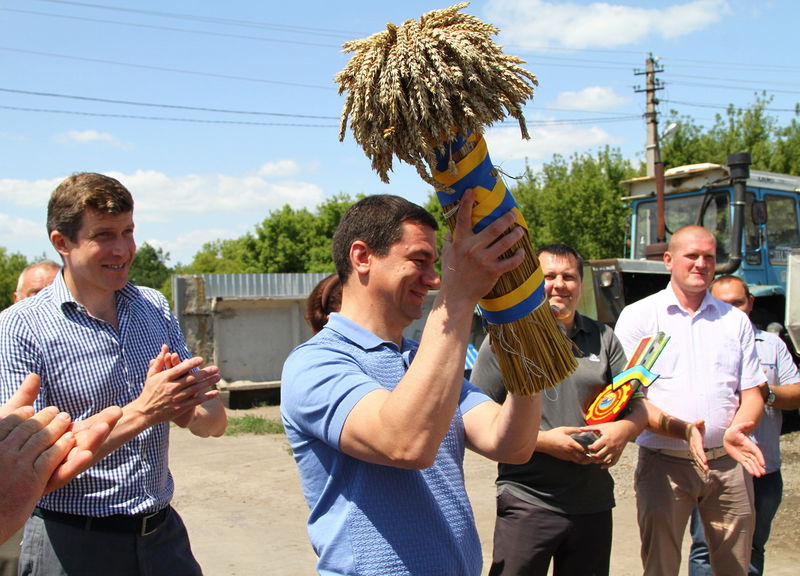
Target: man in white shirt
point(709, 371)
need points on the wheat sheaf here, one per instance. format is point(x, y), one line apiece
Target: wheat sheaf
point(411, 88)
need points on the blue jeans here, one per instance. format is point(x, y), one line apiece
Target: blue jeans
point(768, 491)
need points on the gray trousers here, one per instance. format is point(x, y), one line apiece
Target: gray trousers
point(51, 548)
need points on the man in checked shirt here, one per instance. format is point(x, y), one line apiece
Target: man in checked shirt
point(96, 341)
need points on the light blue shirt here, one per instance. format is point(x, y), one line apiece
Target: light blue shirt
point(87, 365)
point(367, 518)
point(779, 369)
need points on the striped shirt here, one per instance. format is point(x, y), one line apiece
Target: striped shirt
point(87, 365)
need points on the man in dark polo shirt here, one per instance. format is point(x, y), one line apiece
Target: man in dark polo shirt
point(557, 506)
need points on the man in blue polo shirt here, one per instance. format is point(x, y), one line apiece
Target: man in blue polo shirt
point(378, 424)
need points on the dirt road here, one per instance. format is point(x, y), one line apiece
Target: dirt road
point(241, 499)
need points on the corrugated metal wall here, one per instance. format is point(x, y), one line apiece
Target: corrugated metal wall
point(260, 285)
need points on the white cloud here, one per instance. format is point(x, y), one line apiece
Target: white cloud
point(163, 198)
point(17, 234)
point(279, 169)
point(90, 136)
point(591, 98)
point(26, 193)
point(546, 140)
point(537, 24)
point(176, 213)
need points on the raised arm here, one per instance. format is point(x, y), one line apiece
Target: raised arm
point(404, 427)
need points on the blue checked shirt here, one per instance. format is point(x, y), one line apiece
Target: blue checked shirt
point(87, 365)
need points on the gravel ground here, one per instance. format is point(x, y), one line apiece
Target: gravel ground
point(241, 499)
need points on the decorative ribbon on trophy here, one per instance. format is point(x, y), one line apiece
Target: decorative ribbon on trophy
point(611, 401)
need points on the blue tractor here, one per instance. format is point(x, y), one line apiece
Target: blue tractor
point(754, 216)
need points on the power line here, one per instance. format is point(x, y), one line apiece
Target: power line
point(719, 107)
point(579, 121)
point(735, 80)
point(738, 66)
point(165, 69)
point(170, 106)
point(723, 87)
point(171, 28)
point(211, 19)
point(540, 123)
point(165, 118)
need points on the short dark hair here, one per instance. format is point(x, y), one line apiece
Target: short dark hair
point(563, 251)
point(82, 191)
point(376, 221)
point(326, 297)
point(727, 279)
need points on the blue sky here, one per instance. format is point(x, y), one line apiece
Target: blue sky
point(215, 113)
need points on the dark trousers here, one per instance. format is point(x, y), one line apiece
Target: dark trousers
point(51, 548)
point(528, 537)
point(767, 493)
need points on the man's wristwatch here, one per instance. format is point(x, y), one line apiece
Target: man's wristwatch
point(770, 396)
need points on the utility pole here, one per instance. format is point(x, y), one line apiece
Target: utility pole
point(652, 84)
point(655, 167)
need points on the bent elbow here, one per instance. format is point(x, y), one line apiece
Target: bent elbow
point(416, 457)
point(522, 455)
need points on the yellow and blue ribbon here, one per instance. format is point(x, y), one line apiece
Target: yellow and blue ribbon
point(493, 200)
point(638, 372)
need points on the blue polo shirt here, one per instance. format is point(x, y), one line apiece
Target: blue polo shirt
point(368, 518)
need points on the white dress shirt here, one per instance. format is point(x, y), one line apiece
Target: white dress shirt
point(710, 358)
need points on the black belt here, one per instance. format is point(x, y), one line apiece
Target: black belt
point(141, 524)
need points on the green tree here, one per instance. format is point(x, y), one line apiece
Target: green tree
point(231, 256)
point(10, 267)
point(149, 267)
point(433, 206)
point(785, 157)
point(329, 213)
point(291, 240)
point(577, 202)
point(772, 147)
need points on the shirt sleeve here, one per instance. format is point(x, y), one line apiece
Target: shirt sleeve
point(319, 387)
point(486, 373)
point(752, 375)
point(18, 356)
point(787, 370)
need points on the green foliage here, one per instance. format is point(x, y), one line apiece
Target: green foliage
point(772, 147)
point(149, 267)
point(290, 240)
point(577, 202)
point(249, 424)
point(433, 206)
point(235, 256)
point(10, 267)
